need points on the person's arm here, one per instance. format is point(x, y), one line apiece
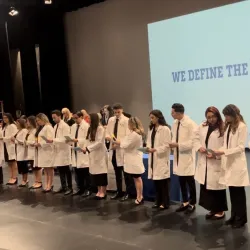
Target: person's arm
point(21, 138)
point(188, 145)
point(196, 139)
point(99, 140)
point(128, 141)
point(241, 141)
point(66, 132)
point(82, 139)
point(13, 132)
point(49, 134)
point(165, 137)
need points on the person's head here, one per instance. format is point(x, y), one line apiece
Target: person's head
point(78, 117)
point(7, 119)
point(118, 110)
point(23, 117)
point(108, 111)
point(42, 119)
point(31, 122)
point(156, 118)
point(84, 112)
point(232, 117)
point(134, 124)
point(66, 113)
point(94, 123)
point(21, 124)
point(214, 119)
point(177, 111)
point(56, 116)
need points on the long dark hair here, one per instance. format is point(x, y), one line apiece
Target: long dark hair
point(94, 123)
point(233, 111)
point(161, 120)
point(220, 124)
point(10, 118)
point(32, 121)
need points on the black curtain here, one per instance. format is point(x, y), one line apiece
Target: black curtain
point(53, 62)
point(6, 92)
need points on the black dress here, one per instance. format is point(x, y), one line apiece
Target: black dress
point(212, 200)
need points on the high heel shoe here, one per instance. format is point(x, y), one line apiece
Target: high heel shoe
point(48, 190)
point(137, 202)
point(24, 185)
point(11, 184)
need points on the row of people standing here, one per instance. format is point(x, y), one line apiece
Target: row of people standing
point(225, 167)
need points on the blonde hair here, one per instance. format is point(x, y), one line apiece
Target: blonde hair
point(84, 112)
point(43, 118)
point(136, 125)
point(66, 110)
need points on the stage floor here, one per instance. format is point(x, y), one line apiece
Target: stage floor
point(37, 221)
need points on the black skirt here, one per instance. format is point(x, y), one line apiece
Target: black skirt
point(213, 200)
point(6, 155)
point(100, 179)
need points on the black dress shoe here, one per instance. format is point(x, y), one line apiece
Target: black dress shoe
point(238, 224)
point(116, 196)
point(86, 194)
point(190, 209)
point(163, 207)
point(68, 192)
point(218, 217)
point(209, 215)
point(182, 208)
point(60, 190)
point(124, 198)
point(230, 221)
point(77, 192)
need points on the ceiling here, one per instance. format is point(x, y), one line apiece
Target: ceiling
point(60, 5)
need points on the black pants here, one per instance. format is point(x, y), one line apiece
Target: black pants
point(1, 175)
point(238, 204)
point(162, 192)
point(190, 182)
point(82, 178)
point(65, 177)
point(119, 171)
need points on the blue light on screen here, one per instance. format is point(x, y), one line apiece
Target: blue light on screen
point(201, 60)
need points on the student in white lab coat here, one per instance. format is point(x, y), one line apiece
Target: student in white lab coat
point(133, 159)
point(97, 153)
point(118, 127)
point(62, 153)
point(184, 156)
point(234, 164)
point(209, 135)
point(159, 137)
point(19, 139)
point(45, 152)
point(30, 140)
point(9, 129)
point(80, 161)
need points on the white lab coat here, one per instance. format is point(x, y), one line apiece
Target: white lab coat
point(79, 159)
point(204, 164)
point(45, 153)
point(123, 130)
point(1, 148)
point(161, 164)
point(133, 159)
point(98, 157)
point(234, 163)
point(10, 131)
point(29, 142)
point(62, 149)
point(187, 154)
point(21, 150)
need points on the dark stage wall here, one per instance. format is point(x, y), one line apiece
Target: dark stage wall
point(33, 28)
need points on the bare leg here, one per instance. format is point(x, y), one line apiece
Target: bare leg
point(99, 191)
point(103, 191)
point(139, 188)
point(50, 177)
